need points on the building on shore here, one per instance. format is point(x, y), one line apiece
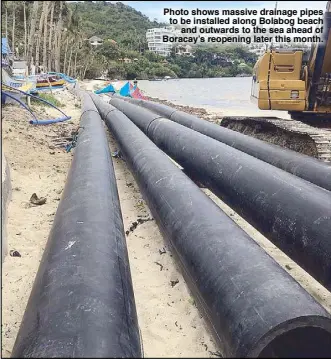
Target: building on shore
point(184, 50)
point(155, 40)
point(95, 41)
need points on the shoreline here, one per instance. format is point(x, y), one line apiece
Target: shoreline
point(215, 114)
point(205, 112)
point(192, 110)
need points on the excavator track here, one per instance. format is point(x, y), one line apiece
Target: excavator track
point(292, 134)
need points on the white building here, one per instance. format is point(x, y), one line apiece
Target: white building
point(258, 49)
point(155, 40)
point(184, 50)
point(95, 41)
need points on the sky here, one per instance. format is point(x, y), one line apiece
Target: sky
point(154, 9)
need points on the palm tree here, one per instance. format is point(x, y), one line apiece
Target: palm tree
point(5, 5)
point(25, 28)
point(65, 54)
point(69, 62)
point(75, 63)
point(45, 35)
point(74, 37)
point(32, 32)
point(49, 66)
point(41, 23)
point(57, 40)
point(69, 35)
point(13, 30)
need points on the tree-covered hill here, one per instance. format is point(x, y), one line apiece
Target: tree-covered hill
point(127, 26)
point(115, 21)
point(53, 36)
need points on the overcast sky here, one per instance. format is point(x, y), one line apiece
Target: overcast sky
point(154, 9)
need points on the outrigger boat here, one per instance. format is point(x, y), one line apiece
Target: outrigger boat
point(47, 80)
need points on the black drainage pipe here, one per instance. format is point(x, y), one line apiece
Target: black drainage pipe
point(82, 302)
point(293, 213)
point(255, 307)
point(308, 168)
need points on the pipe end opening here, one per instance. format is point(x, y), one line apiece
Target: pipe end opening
point(303, 342)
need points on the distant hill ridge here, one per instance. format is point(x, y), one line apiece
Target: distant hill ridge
point(116, 21)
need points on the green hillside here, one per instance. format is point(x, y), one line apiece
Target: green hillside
point(127, 26)
point(53, 35)
point(115, 21)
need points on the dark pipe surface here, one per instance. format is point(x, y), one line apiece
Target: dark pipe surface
point(254, 305)
point(308, 168)
point(82, 302)
point(293, 213)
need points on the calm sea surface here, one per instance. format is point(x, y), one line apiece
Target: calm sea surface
point(229, 96)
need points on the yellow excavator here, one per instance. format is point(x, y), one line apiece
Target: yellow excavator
point(295, 81)
point(298, 82)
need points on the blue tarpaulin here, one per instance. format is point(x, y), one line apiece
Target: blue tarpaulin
point(5, 49)
point(108, 88)
point(125, 90)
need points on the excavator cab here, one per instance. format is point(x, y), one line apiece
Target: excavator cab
point(294, 81)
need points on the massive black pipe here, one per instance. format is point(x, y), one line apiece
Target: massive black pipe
point(308, 168)
point(82, 302)
point(293, 213)
point(255, 307)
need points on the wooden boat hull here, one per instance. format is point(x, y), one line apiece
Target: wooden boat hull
point(46, 83)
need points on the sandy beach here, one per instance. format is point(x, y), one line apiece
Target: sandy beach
point(170, 323)
point(38, 166)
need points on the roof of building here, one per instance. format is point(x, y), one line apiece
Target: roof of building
point(19, 64)
point(95, 38)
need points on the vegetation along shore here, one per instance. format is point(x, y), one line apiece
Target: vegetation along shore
point(59, 35)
